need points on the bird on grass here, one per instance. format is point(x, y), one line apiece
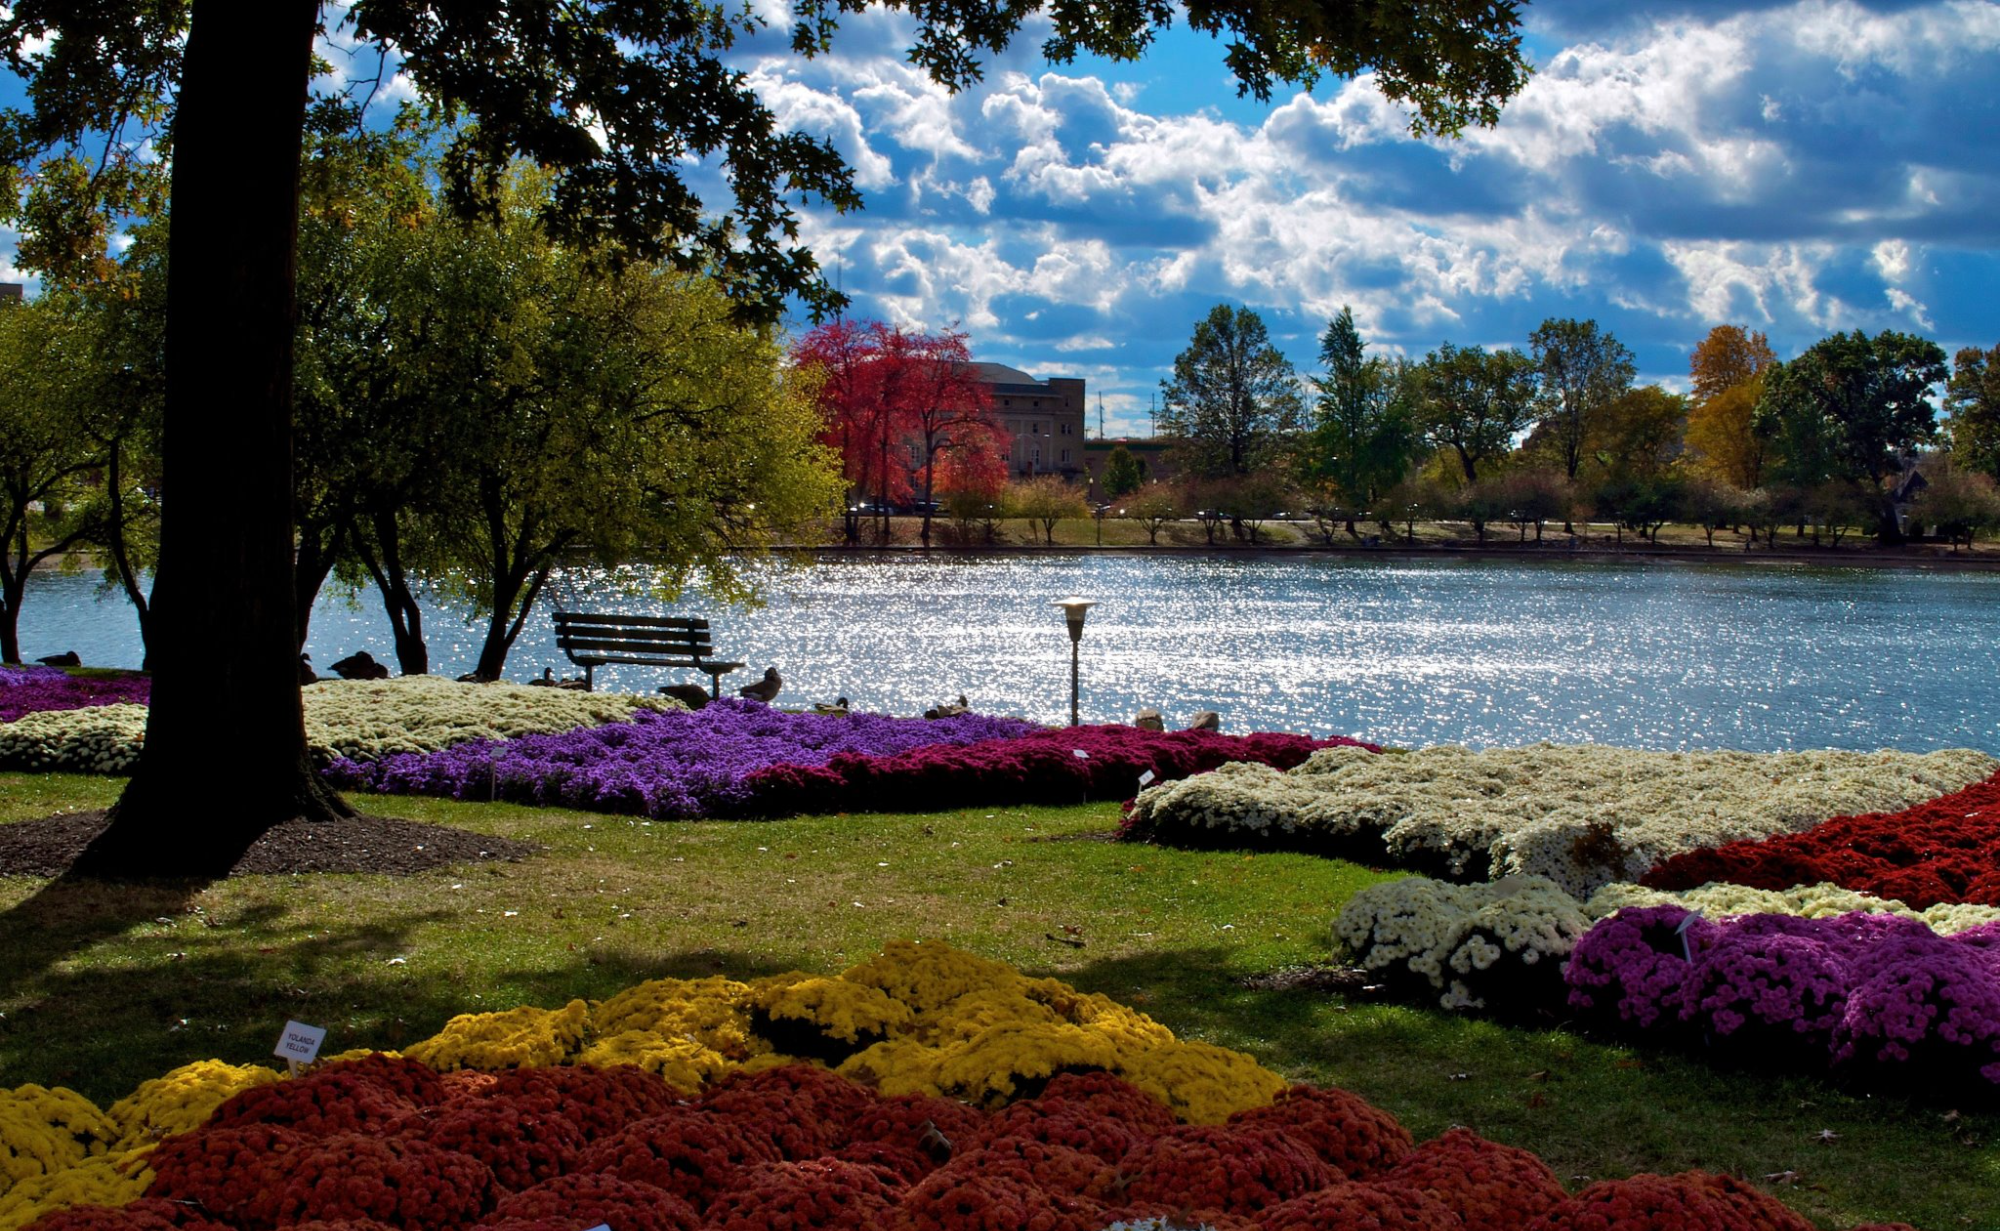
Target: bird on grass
point(68, 658)
point(306, 673)
point(837, 707)
point(766, 689)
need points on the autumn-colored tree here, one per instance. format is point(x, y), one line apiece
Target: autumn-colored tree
point(948, 413)
point(1973, 398)
point(1727, 371)
point(905, 413)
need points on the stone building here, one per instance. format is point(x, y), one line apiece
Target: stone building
point(1044, 419)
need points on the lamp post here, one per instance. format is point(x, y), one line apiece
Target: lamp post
point(1074, 609)
point(1100, 511)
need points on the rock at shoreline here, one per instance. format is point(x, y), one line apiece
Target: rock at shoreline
point(1149, 719)
point(1207, 720)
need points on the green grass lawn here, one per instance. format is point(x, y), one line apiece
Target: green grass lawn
point(102, 988)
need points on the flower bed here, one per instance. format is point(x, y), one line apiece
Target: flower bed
point(1877, 996)
point(1049, 766)
point(778, 1143)
point(665, 765)
point(741, 759)
point(347, 721)
point(1501, 946)
point(1581, 816)
point(1497, 946)
point(34, 690)
point(1945, 850)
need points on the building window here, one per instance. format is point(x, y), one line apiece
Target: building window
point(1065, 457)
point(1065, 429)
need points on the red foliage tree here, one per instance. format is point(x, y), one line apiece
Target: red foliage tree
point(905, 412)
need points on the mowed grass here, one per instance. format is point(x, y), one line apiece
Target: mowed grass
point(101, 988)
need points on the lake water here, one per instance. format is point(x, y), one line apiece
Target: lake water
point(1483, 653)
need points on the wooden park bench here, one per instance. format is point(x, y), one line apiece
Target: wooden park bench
point(591, 640)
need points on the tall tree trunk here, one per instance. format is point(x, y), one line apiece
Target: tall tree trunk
point(121, 555)
point(225, 662)
point(13, 584)
point(319, 543)
point(384, 562)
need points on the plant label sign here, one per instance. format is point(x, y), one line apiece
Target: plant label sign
point(1687, 950)
point(1079, 754)
point(1146, 779)
point(603, 1226)
point(299, 1044)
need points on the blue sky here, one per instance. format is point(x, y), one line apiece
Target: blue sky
point(1795, 167)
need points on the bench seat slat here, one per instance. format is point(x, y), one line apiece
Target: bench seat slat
point(679, 646)
point(710, 666)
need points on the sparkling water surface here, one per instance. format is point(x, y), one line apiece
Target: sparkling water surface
point(1477, 652)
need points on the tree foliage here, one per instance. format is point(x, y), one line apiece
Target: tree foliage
point(1473, 402)
point(1583, 371)
point(1362, 436)
point(1973, 399)
point(1234, 398)
point(1727, 373)
point(1849, 409)
point(1123, 473)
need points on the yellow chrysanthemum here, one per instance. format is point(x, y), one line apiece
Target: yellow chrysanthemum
point(526, 1037)
point(994, 1065)
point(1202, 1083)
point(896, 1066)
point(927, 975)
point(182, 1100)
point(682, 1063)
point(108, 1180)
point(840, 1008)
point(714, 1011)
point(974, 1012)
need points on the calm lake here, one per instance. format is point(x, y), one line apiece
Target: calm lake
point(1482, 653)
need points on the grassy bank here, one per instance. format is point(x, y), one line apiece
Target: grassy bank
point(101, 989)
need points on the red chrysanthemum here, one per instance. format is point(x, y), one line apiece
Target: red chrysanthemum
point(145, 1214)
point(1491, 1187)
point(1360, 1207)
point(1753, 1210)
point(600, 1101)
point(1347, 1132)
point(816, 1195)
point(795, 1129)
point(341, 1224)
point(832, 1098)
point(580, 1201)
point(905, 1163)
point(692, 1155)
point(418, 1083)
point(1057, 1168)
point(232, 1173)
point(1075, 1125)
point(409, 1183)
point(523, 1140)
point(954, 1199)
point(1240, 1168)
point(934, 1127)
point(1647, 1202)
point(336, 1100)
point(1108, 1095)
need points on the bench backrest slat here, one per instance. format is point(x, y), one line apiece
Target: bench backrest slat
point(566, 620)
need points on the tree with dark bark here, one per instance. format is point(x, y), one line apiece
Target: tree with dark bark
point(46, 453)
point(617, 99)
point(1583, 371)
point(1234, 399)
point(1473, 402)
point(1850, 411)
point(1972, 398)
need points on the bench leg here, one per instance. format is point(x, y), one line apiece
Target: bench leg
point(714, 686)
point(589, 677)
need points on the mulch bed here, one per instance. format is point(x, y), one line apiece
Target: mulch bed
point(375, 844)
